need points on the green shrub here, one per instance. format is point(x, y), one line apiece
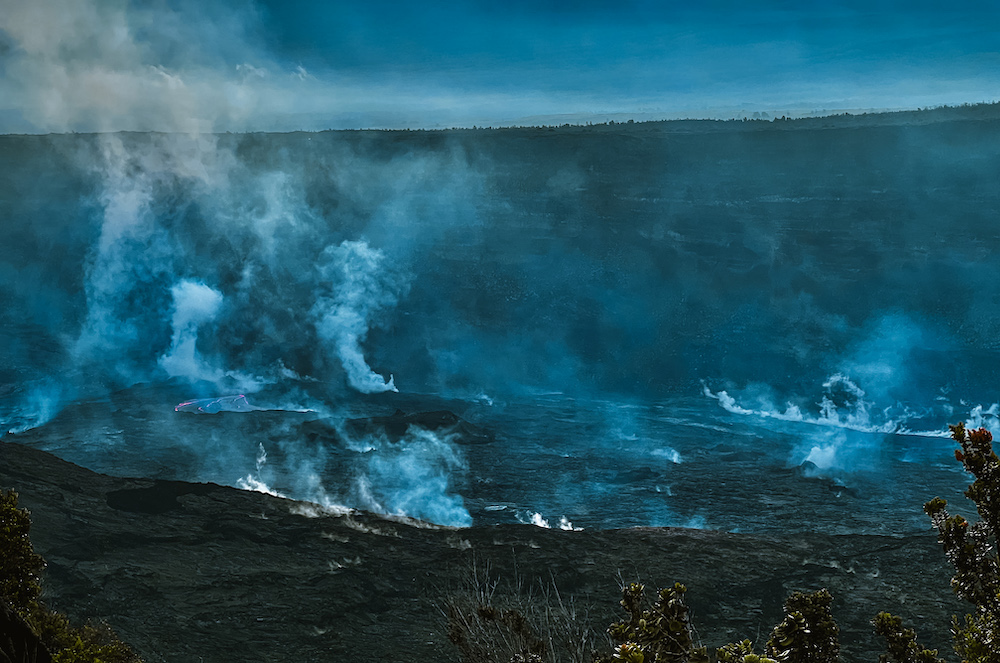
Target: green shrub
point(808, 633)
point(972, 549)
point(901, 642)
point(663, 633)
point(20, 588)
point(20, 566)
point(740, 652)
point(660, 633)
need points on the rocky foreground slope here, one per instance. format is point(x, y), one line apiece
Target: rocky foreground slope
point(200, 572)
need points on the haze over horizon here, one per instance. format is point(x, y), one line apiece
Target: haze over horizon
point(180, 65)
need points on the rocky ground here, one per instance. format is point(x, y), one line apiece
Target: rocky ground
point(200, 572)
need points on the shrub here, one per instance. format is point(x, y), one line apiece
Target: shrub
point(808, 633)
point(740, 652)
point(20, 589)
point(901, 642)
point(20, 566)
point(660, 633)
point(972, 549)
point(663, 633)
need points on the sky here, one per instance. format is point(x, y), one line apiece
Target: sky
point(240, 65)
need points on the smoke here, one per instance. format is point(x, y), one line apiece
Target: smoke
point(873, 390)
point(833, 452)
point(168, 214)
point(194, 305)
point(39, 404)
point(412, 478)
point(536, 519)
point(132, 265)
point(361, 287)
point(877, 391)
point(416, 476)
point(177, 210)
point(131, 252)
point(459, 261)
point(254, 481)
point(883, 360)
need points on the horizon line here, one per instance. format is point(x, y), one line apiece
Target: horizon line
point(557, 121)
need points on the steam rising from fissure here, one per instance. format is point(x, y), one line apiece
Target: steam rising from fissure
point(362, 286)
point(412, 478)
point(194, 305)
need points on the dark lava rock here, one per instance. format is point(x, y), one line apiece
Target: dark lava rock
point(157, 498)
point(187, 572)
point(639, 475)
point(442, 422)
point(395, 426)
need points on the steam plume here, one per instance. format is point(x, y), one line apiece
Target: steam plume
point(362, 287)
point(194, 304)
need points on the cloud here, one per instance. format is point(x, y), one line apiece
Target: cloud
point(110, 65)
point(183, 66)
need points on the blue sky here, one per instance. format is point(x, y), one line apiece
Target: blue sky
point(227, 64)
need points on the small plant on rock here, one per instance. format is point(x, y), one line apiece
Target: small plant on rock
point(972, 548)
point(901, 642)
point(808, 633)
point(660, 633)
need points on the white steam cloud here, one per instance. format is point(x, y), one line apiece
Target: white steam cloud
point(38, 406)
point(134, 259)
point(127, 225)
point(194, 68)
point(254, 481)
point(857, 406)
point(362, 288)
point(194, 305)
point(412, 478)
point(113, 65)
